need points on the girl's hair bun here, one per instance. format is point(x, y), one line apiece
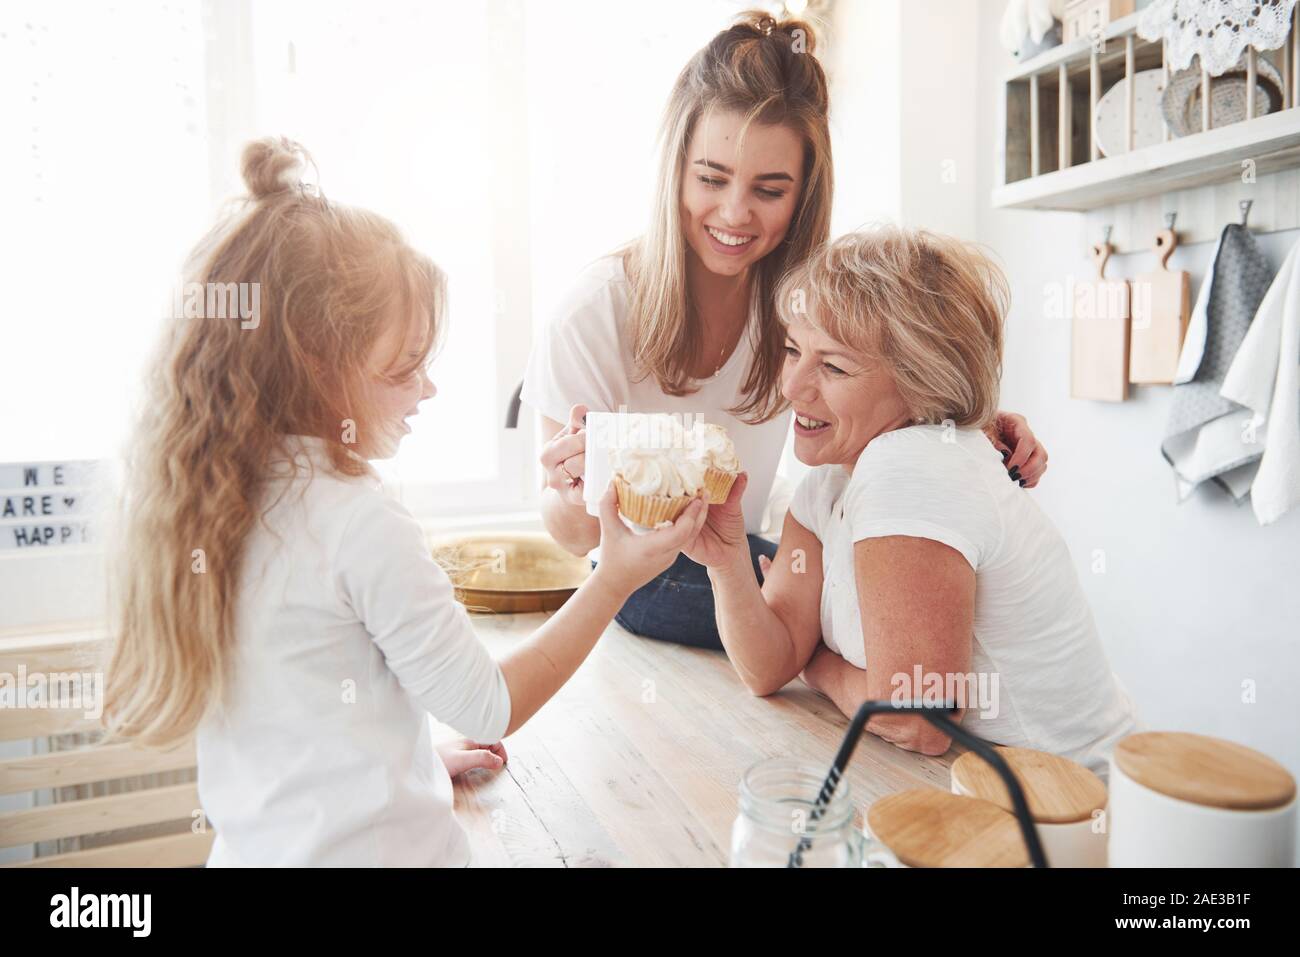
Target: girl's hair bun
point(273, 165)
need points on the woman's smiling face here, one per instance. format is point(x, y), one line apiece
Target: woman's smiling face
point(842, 399)
point(736, 204)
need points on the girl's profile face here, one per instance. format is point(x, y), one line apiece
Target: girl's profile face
point(736, 204)
point(397, 386)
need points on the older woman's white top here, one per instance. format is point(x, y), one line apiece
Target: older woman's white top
point(1039, 675)
point(347, 639)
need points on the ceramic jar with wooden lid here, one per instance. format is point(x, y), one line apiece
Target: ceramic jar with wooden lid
point(1066, 801)
point(930, 828)
point(1187, 800)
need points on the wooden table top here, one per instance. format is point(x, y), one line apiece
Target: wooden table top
point(638, 760)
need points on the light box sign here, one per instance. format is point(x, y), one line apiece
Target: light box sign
point(43, 504)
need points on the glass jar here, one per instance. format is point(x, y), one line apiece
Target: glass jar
point(775, 820)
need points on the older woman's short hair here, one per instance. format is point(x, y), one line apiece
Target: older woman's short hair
point(930, 307)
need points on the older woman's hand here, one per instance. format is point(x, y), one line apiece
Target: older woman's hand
point(722, 538)
point(1022, 454)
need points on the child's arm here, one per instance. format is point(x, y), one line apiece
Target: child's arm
point(385, 573)
point(536, 669)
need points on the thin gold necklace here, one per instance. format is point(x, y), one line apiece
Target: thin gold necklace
point(723, 351)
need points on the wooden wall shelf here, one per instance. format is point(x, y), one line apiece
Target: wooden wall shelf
point(1216, 156)
point(1051, 160)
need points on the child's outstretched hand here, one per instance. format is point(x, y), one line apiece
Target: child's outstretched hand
point(630, 560)
point(462, 754)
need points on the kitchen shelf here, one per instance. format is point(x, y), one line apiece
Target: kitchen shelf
point(1075, 55)
point(1215, 156)
point(1051, 157)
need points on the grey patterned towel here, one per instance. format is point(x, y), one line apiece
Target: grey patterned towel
point(1209, 437)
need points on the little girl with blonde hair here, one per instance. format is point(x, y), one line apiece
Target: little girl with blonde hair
point(271, 600)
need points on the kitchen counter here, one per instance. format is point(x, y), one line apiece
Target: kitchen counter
point(637, 761)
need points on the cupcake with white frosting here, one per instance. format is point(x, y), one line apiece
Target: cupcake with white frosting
point(662, 467)
point(712, 446)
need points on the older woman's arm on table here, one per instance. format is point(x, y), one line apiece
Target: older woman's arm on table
point(768, 633)
point(917, 601)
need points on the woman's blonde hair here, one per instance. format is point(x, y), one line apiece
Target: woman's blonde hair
point(221, 398)
point(929, 307)
point(765, 70)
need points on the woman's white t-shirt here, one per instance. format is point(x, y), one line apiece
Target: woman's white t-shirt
point(584, 356)
point(347, 638)
point(1033, 629)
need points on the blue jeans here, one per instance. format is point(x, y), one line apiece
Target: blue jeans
point(678, 605)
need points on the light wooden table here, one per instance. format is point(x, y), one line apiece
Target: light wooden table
point(637, 761)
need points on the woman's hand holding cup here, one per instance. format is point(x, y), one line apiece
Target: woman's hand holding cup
point(564, 458)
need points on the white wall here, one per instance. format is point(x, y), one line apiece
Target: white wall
point(1196, 599)
point(891, 67)
point(864, 67)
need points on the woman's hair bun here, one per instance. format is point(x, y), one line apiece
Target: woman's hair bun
point(762, 22)
point(272, 165)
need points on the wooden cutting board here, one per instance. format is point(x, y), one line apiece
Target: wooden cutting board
point(1161, 307)
point(1099, 334)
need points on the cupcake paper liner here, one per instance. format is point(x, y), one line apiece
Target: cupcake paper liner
point(649, 510)
point(717, 485)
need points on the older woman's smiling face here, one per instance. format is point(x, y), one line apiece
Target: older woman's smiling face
point(842, 399)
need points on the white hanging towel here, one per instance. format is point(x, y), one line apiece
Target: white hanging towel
point(1265, 377)
point(1206, 435)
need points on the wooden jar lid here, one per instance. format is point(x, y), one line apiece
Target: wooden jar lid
point(1204, 770)
point(931, 828)
point(1058, 790)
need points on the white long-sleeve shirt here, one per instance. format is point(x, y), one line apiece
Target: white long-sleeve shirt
point(347, 639)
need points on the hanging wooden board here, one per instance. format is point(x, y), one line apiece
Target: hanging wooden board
point(1099, 332)
point(1161, 307)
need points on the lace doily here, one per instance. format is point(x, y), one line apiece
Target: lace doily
point(1216, 30)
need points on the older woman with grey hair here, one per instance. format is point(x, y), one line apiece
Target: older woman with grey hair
point(909, 566)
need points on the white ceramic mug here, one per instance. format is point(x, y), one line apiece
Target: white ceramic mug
point(1150, 829)
point(601, 433)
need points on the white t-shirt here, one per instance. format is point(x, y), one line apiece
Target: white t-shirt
point(584, 356)
point(1033, 628)
point(347, 638)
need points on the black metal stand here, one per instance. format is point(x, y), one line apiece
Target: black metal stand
point(937, 715)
